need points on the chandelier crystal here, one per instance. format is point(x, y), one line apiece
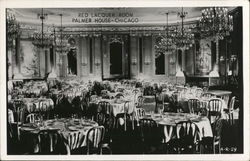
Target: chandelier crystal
point(61, 40)
point(183, 35)
point(42, 38)
point(216, 21)
point(165, 43)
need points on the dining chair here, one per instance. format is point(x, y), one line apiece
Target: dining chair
point(213, 144)
point(186, 138)
point(225, 98)
point(230, 110)
point(205, 89)
point(140, 113)
point(173, 104)
point(104, 117)
point(49, 141)
point(43, 109)
point(135, 91)
point(139, 102)
point(217, 129)
point(18, 113)
point(74, 141)
point(95, 138)
point(214, 108)
point(199, 92)
point(208, 95)
point(18, 106)
point(119, 89)
point(194, 106)
point(104, 91)
point(93, 97)
point(119, 95)
point(32, 118)
point(104, 107)
point(124, 117)
point(137, 115)
point(150, 135)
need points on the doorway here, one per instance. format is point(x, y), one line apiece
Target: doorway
point(116, 58)
point(72, 63)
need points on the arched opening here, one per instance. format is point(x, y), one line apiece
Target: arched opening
point(72, 63)
point(160, 64)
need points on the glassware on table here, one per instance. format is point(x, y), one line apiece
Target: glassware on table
point(73, 116)
point(56, 116)
point(152, 114)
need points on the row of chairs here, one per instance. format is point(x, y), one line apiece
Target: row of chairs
point(214, 108)
point(52, 142)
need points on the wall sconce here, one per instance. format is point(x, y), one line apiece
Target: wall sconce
point(97, 62)
point(84, 62)
point(60, 61)
point(134, 61)
point(172, 60)
point(222, 58)
point(233, 57)
point(147, 61)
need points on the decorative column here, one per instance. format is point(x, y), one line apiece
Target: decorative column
point(64, 65)
point(97, 57)
point(17, 69)
point(215, 71)
point(52, 74)
point(183, 57)
point(179, 72)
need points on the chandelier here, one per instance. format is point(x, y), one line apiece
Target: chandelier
point(165, 43)
point(41, 38)
point(61, 41)
point(216, 21)
point(183, 37)
point(12, 27)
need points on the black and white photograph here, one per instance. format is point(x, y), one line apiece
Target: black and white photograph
point(121, 80)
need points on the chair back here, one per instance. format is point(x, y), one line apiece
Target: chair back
point(104, 92)
point(135, 91)
point(232, 102)
point(18, 110)
point(139, 101)
point(75, 140)
point(32, 117)
point(208, 95)
point(119, 95)
point(231, 110)
point(225, 98)
point(94, 138)
point(149, 130)
point(194, 106)
point(187, 131)
point(140, 113)
point(214, 108)
point(93, 97)
point(119, 89)
point(48, 141)
point(105, 107)
point(217, 130)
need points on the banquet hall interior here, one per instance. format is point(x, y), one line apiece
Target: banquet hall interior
point(125, 80)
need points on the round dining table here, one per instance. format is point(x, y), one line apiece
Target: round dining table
point(117, 105)
point(220, 92)
point(168, 121)
point(68, 128)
